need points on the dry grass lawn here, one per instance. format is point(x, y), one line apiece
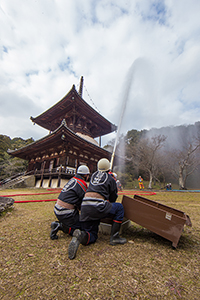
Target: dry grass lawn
point(34, 267)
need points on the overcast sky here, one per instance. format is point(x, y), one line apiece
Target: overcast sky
point(144, 53)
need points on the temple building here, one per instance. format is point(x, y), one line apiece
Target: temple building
point(73, 126)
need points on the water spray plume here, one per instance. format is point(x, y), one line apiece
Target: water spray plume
point(129, 80)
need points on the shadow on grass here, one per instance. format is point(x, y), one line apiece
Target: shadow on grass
point(144, 235)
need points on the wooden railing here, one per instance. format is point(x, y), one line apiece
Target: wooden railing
point(58, 170)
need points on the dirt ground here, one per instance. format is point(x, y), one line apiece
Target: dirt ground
point(32, 266)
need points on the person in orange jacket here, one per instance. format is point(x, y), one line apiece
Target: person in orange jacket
point(140, 179)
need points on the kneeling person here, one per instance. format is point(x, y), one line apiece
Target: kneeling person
point(98, 203)
point(68, 203)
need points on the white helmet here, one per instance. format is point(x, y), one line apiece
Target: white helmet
point(83, 170)
point(103, 165)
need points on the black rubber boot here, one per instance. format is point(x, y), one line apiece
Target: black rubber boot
point(64, 228)
point(115, 238)
point(54, 229)
point(79, 237)
point(55, 226)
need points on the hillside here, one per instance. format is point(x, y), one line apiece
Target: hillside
point(9, 165)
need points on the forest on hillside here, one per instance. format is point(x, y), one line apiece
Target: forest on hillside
point(9, 166)
point(168, 154)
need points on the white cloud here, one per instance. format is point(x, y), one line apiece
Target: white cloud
point(47, 45)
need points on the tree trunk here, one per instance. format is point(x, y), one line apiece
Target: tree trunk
point(150, 180)
point(181, 179)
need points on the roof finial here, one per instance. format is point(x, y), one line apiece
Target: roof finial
point(81, 86)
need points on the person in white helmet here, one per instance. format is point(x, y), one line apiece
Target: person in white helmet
point(68, 203)
point(98, 203)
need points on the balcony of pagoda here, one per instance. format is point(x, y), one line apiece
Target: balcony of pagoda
point(54, 178)
point(57, 171)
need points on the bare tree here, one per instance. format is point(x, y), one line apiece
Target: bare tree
point(146, 155)
point(184, 162)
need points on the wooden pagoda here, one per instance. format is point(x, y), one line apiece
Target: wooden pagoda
point(73, 126)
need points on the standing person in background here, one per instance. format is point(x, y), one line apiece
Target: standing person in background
point(98, 203)
point(119, 185)
point(69, 202)
point(140, 179)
